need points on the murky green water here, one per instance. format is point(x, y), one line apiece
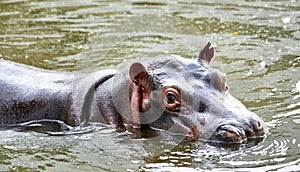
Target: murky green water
point(257, 45)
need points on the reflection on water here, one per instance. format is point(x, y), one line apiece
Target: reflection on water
point(257, 44)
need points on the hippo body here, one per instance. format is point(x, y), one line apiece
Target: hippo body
point(29, 93)
point(171, 93)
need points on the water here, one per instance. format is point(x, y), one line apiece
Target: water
point(257, 45)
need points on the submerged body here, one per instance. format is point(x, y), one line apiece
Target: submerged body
point(180, 95)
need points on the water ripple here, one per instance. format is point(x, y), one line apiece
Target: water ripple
point(257, 45)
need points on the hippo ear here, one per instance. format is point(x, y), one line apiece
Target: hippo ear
point(138, 74)
point(139, 95)
point(207, 53)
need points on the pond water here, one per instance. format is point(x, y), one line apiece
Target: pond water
point(257, 45)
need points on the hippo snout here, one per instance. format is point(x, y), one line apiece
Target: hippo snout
point(240, 132)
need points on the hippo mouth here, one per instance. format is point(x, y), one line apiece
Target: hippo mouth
point(231, 134)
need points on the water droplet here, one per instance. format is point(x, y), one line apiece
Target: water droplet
point(286, 20)
point(297, 88)
point(249, 73)
point(135, 161)
point(262, 65)
point(163, 157)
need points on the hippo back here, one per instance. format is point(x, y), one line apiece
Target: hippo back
point(28, 93)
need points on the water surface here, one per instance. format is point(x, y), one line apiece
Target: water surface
point(257, 45)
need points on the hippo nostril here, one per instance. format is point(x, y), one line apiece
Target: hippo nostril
point(258, 128)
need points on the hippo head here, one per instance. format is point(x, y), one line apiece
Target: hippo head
point(187, 97)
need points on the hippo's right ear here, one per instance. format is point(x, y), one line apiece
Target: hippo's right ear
point(138, 74)
point(207, 53)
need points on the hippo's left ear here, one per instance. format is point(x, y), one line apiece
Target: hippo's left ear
point(207, 53)
point(139, 93)
point(138, 74)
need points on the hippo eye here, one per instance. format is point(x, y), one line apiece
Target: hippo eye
point(171, 98)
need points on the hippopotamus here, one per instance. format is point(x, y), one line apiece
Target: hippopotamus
point(172, 93)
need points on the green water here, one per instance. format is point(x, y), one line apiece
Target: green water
point(257, 45)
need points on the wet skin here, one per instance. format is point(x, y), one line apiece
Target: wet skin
point(181, 96)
